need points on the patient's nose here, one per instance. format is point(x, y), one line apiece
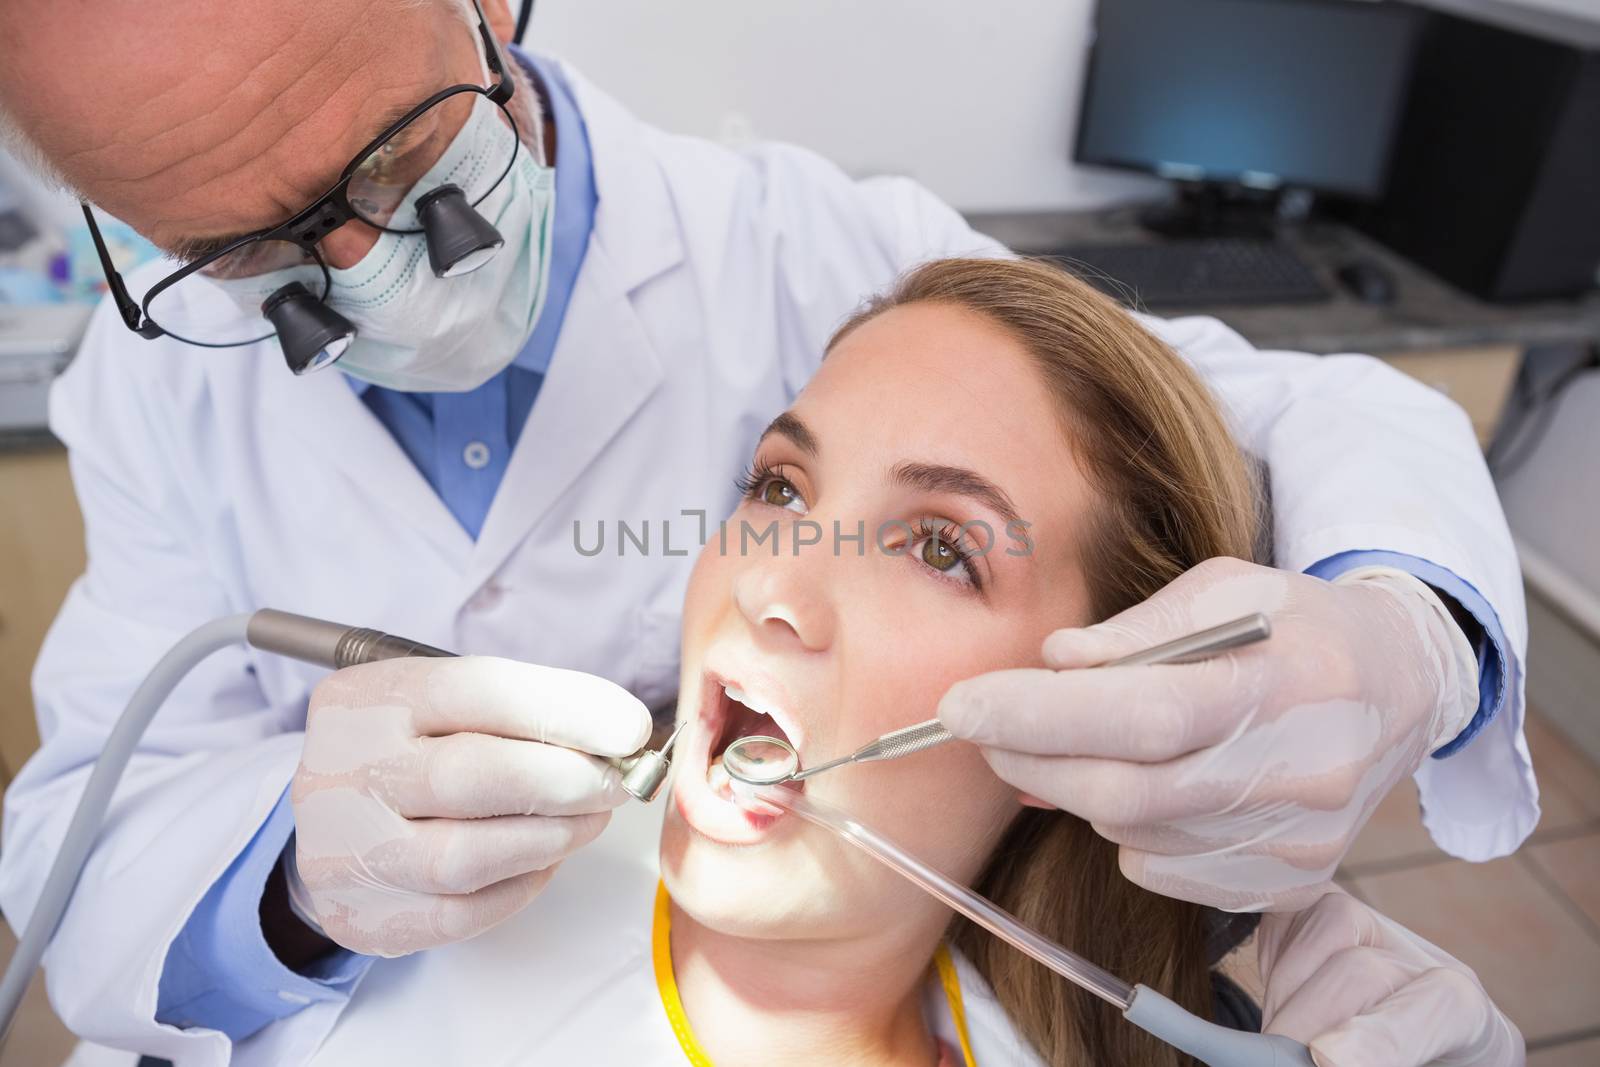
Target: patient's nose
point(785, 602)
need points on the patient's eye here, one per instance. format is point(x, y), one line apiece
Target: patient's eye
point(939, 545)
point(765, 485)
point(778, 493)
point(940, 555)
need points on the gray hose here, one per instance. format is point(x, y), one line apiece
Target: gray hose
point(1206, 1041)
point(91, 811)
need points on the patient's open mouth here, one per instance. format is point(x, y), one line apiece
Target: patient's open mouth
point(704, 791)
point(742, 716)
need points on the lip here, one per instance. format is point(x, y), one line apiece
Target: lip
point(707, 813)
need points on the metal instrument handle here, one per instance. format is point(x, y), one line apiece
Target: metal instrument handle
point(1204, 644)
point(904, 742)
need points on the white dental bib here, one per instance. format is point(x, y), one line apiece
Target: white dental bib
point(570, 980)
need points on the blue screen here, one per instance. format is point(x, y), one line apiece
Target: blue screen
point(1302, 92)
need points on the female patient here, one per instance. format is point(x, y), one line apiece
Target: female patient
point(989, 453)
point(977, 396)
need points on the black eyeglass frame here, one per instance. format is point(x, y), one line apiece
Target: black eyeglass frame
point(324, 215)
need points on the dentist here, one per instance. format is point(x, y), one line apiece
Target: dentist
point(429, 305)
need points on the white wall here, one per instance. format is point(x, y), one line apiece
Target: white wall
point(975, 98)
point(1553, 503)
point(1553, 499)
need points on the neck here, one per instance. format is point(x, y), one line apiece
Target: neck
point(804, 1002)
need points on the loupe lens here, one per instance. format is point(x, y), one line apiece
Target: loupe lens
point(760, 760)
point(311, 334)
point(459, 239)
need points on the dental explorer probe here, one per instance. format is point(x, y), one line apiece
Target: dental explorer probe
point(316, 641)
point(745, 760)
point(1216, 1046)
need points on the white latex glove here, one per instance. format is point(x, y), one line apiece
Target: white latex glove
point(435, 796)
point(1237, 782)
point(1360, 989)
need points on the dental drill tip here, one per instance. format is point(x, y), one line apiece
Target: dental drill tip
point(672, 737)
point(644, 775)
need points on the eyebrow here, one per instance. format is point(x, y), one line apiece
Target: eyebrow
point(189, 249)
point(192, 249)
point(939, 478)
point(926, 477)
point(789, 425)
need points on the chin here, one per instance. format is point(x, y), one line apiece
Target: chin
point(803, 884)
point(765, 891)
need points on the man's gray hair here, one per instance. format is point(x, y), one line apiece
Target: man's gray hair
point(16, 143)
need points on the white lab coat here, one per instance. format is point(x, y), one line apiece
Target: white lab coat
point(213, 482)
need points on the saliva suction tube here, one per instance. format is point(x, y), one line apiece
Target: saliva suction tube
point(1147, 1009)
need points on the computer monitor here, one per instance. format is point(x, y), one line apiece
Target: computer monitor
point(1258, 93)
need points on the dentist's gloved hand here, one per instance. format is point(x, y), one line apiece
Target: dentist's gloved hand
point(1237, 782)
point(435, 797)
point(1360, 989)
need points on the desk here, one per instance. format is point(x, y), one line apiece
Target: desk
point(1464, 347)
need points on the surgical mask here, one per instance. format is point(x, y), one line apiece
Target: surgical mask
point(421, 333)
point(417, 332)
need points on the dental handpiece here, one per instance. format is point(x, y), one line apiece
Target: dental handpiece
point(746, 761)
point(336, 646)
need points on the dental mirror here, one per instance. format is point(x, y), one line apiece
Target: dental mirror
point(760, 760)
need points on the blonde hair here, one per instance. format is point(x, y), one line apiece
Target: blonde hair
point(1174, 490)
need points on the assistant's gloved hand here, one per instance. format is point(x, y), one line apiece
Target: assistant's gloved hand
point(435, 796)
point(1237, 782)
point(1360, 989)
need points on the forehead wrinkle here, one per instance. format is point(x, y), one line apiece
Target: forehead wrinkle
point(280, 186)
point(274, 112)
point(301, 175)
point(234, 113)
point(269, 172)
point(290, 173)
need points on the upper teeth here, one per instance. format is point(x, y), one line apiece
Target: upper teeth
point(739, 695)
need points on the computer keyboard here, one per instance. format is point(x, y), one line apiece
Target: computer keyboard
point(1198, 272)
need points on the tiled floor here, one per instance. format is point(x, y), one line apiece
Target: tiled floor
point(1529, 924)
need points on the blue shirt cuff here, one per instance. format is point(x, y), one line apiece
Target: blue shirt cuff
point(220, 973)
point(1489, 642)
